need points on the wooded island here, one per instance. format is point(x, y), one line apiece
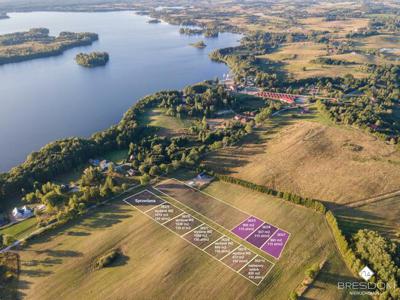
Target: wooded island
point(93, 59)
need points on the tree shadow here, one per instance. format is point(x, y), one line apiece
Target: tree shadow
point(46, 262)
point(352, 219)
point(60, 253)
point(35, 273)
point(120, 261)
point(106, 220)
point(78, 233)
point(98, 218)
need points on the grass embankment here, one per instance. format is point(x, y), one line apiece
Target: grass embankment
point(310, 157)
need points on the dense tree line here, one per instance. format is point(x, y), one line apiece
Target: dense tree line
point(331, 61)
point(383, 256)
point(349, 256)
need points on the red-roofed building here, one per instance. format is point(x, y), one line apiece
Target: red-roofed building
point(288, 98)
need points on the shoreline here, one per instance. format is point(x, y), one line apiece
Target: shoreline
point(136, 12)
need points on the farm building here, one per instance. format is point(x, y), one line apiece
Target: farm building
point(288, 98)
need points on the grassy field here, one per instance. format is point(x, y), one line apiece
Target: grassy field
point(165, 125)
point(379, 41)
point(60, 263)
point(117, 155)
point(297, 60)
point(310, 241)
point(337, 26)
point(382, 216)
point(21, 229)
point(310, 157)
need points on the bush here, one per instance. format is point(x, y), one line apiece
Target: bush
point(312, 271)
point(107, 259)
point(8, 239)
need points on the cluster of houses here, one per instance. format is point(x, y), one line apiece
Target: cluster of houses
point(105, 165)
point(232, 86)
point(245, 117)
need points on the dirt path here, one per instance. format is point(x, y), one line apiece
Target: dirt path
point(365, 201)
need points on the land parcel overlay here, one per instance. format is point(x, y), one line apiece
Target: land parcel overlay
point(214, 243)
point(262, 235)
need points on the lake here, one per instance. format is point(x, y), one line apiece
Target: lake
point(51, 98)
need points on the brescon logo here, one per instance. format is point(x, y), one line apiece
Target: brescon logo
point(366, 273)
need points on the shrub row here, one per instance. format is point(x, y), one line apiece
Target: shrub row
point(316, 205)
point(350, 258)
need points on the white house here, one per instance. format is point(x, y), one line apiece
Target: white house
point(22, 212)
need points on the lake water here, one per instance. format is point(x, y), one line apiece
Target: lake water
point(47, 99)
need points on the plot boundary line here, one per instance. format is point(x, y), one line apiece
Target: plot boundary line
point(172, 218)
point(181, 236)
point(187, 207)
point(280, 254)
point(223, 257)
point(224, 235)
point(213, 242)
point(240, 244)
point(247, 236)
point(200, 191)
point(155, 207)
point(247, 264)
point(279, 228)
point(202, 223)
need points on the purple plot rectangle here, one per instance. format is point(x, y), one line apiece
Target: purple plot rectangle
point(275, 245)
point(247, 227)
point(261, 235)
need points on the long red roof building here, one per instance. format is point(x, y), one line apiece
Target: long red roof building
point(288, 98)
